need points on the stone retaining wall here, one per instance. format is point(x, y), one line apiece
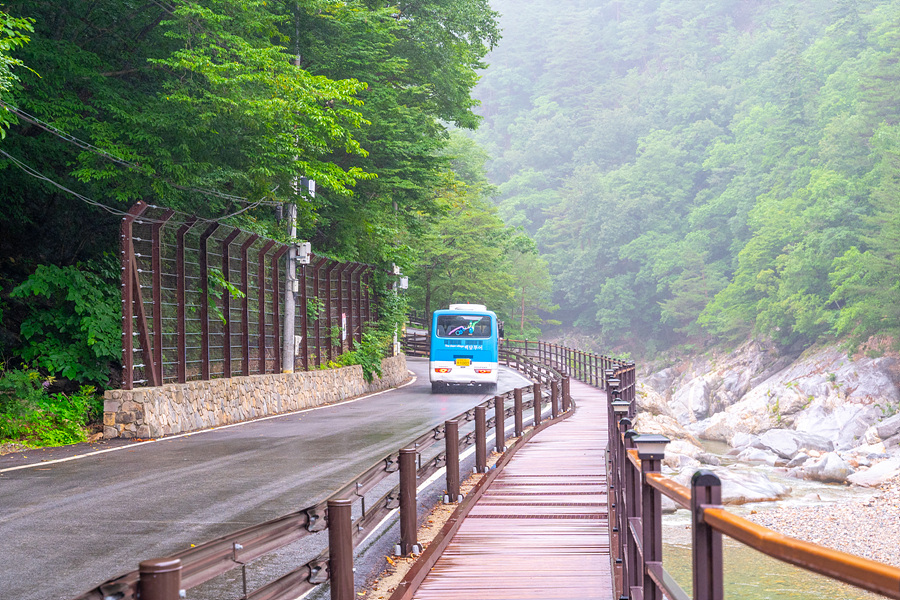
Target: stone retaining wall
point(180, 407)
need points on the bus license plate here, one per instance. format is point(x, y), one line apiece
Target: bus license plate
point(463, 362)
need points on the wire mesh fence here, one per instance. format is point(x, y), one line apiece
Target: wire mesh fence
point(204, 300)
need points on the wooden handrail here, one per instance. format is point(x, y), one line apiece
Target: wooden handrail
point(670, 488)
point(855, 570)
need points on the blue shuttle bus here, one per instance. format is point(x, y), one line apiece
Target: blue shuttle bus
point(464, 345)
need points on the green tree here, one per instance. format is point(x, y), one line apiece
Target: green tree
point(866, 287)
point(13, 34)
point(462, 258)
point(530, 277)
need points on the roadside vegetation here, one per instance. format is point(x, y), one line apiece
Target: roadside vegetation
point(211, 108)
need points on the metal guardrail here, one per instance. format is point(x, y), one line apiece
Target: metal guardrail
point(165, 578)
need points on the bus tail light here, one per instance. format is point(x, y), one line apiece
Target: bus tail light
point(482, 371)
point(442, 370)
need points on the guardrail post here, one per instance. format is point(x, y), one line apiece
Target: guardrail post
point(651, 509)
point(160, 579)
point(408, 501)
point(536, 390)
point(706, 489)
point(499, 424)
point(480, 439)
point(517, 399)
point(451, 439)
point(340, 548)
point(566, 393)
point(554, 398)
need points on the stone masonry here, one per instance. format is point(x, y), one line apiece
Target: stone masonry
point(181, 407)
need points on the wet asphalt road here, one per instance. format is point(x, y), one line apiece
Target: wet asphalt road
point(66, 527)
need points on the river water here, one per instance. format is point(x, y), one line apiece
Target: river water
point(751, 575)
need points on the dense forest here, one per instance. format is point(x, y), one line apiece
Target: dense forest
point(650, 173)
point(697, 171)
point(216, 108)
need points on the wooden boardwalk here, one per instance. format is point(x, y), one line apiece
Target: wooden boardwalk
point(540, 531)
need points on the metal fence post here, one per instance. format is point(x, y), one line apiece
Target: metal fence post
point(706, 489)
point(499, 424)
point(276, 307)
point(156, 267)
point(451, 440)
point(340, 549)
point(261, 306)
point(226, 303)
point(408, 501)
point(480, 439)
point(517, 399)
point(181, 311)
point(554, 398)
point(204, 300)
point(245, 303)
point(160, 579)
point(536, 390)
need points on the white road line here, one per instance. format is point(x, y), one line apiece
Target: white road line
point(202, 431)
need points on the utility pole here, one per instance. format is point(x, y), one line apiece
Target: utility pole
point(291, 285)
point(290, 288)
point(297, 253)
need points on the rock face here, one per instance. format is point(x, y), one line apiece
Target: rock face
point(829, 416)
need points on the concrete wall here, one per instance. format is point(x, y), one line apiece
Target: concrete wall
point(180, 407)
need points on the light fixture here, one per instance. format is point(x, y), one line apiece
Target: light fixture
point(620, 407)
point(651, 446)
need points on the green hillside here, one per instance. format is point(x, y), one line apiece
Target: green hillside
point(697, 170)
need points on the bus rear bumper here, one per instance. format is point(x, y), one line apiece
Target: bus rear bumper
point(440, 372)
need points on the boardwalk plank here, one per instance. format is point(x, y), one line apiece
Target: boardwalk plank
point(541, 531)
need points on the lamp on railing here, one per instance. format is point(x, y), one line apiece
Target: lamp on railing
point(620, 407)
point(651, 446)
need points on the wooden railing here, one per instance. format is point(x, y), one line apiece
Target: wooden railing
point(637, 487)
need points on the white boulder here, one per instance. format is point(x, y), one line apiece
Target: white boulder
point(829, 468)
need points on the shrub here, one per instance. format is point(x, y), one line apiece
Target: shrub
point(73, 329)
point(368, 354)
point(31, 415)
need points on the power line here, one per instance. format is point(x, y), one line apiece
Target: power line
point(116, 159)
point(38, 175)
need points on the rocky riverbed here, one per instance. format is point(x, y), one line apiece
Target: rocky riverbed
point(867, 527)
point(821, 415)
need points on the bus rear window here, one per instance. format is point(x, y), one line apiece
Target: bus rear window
point(463, 326)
